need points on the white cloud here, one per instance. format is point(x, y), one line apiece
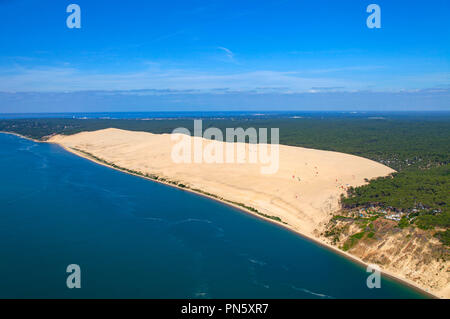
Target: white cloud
point(71, 79)
point(155, 77)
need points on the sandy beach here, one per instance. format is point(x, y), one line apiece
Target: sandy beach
point(301, 196)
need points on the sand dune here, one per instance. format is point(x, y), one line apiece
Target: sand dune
point(303, 193)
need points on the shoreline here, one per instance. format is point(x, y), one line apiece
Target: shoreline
point(23, 136)
point(223, 200)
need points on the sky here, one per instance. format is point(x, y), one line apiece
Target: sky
point(224, 55)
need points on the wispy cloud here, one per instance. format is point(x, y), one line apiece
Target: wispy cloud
point(153, 76)
point(356, 68)
point(71, 79)
point(228, 53)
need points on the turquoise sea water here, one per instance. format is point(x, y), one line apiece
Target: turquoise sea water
point(134, 238)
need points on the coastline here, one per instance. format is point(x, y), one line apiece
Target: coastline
point(322, 243)
point(244, 209)
point(23, 136)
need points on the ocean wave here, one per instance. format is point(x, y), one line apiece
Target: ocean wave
point(156, 219)
point(27, 148)
point(257, 262)
point(312, 293)
point(190, 220)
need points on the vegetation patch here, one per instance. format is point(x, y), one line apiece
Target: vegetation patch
point(352, 241)
point(444, 237)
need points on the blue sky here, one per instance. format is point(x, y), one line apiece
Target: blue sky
point(285, 54)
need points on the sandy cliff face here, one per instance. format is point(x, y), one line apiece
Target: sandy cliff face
point(411, 253)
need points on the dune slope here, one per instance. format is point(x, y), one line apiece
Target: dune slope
point(303, 193)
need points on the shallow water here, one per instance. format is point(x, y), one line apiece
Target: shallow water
point(134, 238)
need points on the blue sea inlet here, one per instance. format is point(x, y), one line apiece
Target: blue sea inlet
point(134, 238)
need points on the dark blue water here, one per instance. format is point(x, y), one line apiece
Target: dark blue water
point(134, 238)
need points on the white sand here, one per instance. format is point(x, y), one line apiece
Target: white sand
point(303, 204)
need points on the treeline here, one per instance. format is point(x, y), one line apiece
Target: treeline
point(421, 189)
point(398, 142)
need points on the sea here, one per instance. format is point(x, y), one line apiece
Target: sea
point(134, 238)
